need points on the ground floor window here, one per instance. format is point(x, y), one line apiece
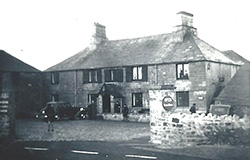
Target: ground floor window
point(182, 99)
point(136, 99)
point(92, 97)
point(54, 97)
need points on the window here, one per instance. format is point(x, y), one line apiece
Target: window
point(92, 97)
point(182, 99)
point(137, 73)
point(137, 99)
point(92, 76)
point(54, 97)
point(55, 78)
point(182, 71)
point(113, 75)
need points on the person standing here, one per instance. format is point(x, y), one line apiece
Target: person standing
point(125, 112)
point(193, 109)
point(50, 112)
point(117, 107)
point(92, 110)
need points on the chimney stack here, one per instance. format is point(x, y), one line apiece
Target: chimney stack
point(185, 22)
point(99, 34)
point(184, 28)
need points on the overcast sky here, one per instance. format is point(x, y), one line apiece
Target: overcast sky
point(43, 33)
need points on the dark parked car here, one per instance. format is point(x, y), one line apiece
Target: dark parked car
point(63, 110)
point(220, 109)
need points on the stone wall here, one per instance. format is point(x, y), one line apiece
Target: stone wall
point(182, 129)
point(131, 117)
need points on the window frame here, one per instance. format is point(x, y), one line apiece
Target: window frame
point(113, 75)
point(92, 76)
point(137, 73)
point(134, 97)
point(184, 103)
point(180, 74)
point(54, 78)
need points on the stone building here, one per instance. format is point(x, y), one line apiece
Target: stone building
point(125, 71)
point(22, 82)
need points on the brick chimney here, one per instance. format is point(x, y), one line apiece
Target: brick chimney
point(99, 34)
point(184, 26)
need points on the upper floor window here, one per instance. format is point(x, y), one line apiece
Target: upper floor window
point(113, 75)
point(137, 99)
point(55, 78)
point(137, 73)
point(182, 71)
point(182, 99)
point(92, 76)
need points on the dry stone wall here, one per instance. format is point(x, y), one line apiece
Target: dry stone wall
point(182, 129)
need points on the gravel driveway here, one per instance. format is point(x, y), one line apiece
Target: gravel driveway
point(81, 130)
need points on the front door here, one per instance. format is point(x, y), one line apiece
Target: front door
point(106, 104)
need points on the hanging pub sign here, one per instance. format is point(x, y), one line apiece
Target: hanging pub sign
point(167, 103)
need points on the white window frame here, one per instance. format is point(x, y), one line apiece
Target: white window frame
point(182, 67)
point(137, 73)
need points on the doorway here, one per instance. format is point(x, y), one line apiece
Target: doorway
point(106, 104)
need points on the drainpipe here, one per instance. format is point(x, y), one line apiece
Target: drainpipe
point(75, 87)
point(156, 76)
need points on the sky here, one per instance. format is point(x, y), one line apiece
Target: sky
point(43, 33)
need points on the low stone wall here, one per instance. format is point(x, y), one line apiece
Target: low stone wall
point(131, 117)
point(180, 129)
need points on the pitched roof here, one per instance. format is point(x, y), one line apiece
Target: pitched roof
point(11, 64)
point(234, 56)
point(155, 49)
point(237, 91)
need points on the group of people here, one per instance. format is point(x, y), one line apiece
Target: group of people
point(92, 110)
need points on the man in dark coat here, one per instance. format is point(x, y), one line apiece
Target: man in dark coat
point(193, 109)
point(50, 112)
point(125, 112)
point(92, 110)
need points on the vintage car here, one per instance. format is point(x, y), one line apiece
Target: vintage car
point(63, 110)
point(220, 109)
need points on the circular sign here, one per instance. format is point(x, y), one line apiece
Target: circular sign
point(167, 103)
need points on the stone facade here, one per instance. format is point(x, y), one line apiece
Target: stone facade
point(201, 85)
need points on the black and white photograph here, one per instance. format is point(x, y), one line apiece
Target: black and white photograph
point(124, 80)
